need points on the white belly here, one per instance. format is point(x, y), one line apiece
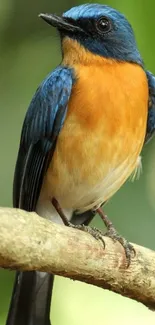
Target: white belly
point(83, 198)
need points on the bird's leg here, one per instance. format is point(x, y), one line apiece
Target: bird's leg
point(112, 233)
point(60, 212)
point(96, 233)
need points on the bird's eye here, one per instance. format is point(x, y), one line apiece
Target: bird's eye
point(103, 25)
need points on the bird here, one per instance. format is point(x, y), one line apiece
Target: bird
point(82, 135)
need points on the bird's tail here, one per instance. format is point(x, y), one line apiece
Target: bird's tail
point(31, 299)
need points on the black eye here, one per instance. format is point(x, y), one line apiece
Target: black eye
point(103, 25)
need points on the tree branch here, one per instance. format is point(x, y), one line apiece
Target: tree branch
point(29, 242)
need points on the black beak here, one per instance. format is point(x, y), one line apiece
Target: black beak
point(60, 23)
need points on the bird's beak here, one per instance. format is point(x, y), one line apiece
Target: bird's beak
point(60, 23)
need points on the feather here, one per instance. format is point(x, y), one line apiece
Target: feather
point(43, 122)
point(151, 109)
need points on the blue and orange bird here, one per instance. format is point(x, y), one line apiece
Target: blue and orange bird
point(82, 135)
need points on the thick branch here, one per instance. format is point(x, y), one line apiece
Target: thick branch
point(29, 242)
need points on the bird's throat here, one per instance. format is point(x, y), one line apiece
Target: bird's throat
point(74, 53)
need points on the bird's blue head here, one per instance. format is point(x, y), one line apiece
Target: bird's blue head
point(100, 29)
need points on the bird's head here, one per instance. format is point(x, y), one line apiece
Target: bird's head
point(96, 29)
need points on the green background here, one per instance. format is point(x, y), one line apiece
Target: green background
point(29, 49)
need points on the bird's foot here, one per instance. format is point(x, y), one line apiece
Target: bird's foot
point(96, 233)
point(128, 248)
point(113, 234)
point(93, 231)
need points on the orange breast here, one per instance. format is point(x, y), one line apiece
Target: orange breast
point(102, 137)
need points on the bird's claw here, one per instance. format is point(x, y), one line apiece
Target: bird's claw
point(98, 234)
point(111, 233)
point(93, 231)
point(128, 248)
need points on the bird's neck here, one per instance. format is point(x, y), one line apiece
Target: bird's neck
point(74, 54)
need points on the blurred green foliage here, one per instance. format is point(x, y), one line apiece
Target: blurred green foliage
point(29, 49)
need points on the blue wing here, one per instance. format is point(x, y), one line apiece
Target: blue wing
point(151, 111)
point(42, 124)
